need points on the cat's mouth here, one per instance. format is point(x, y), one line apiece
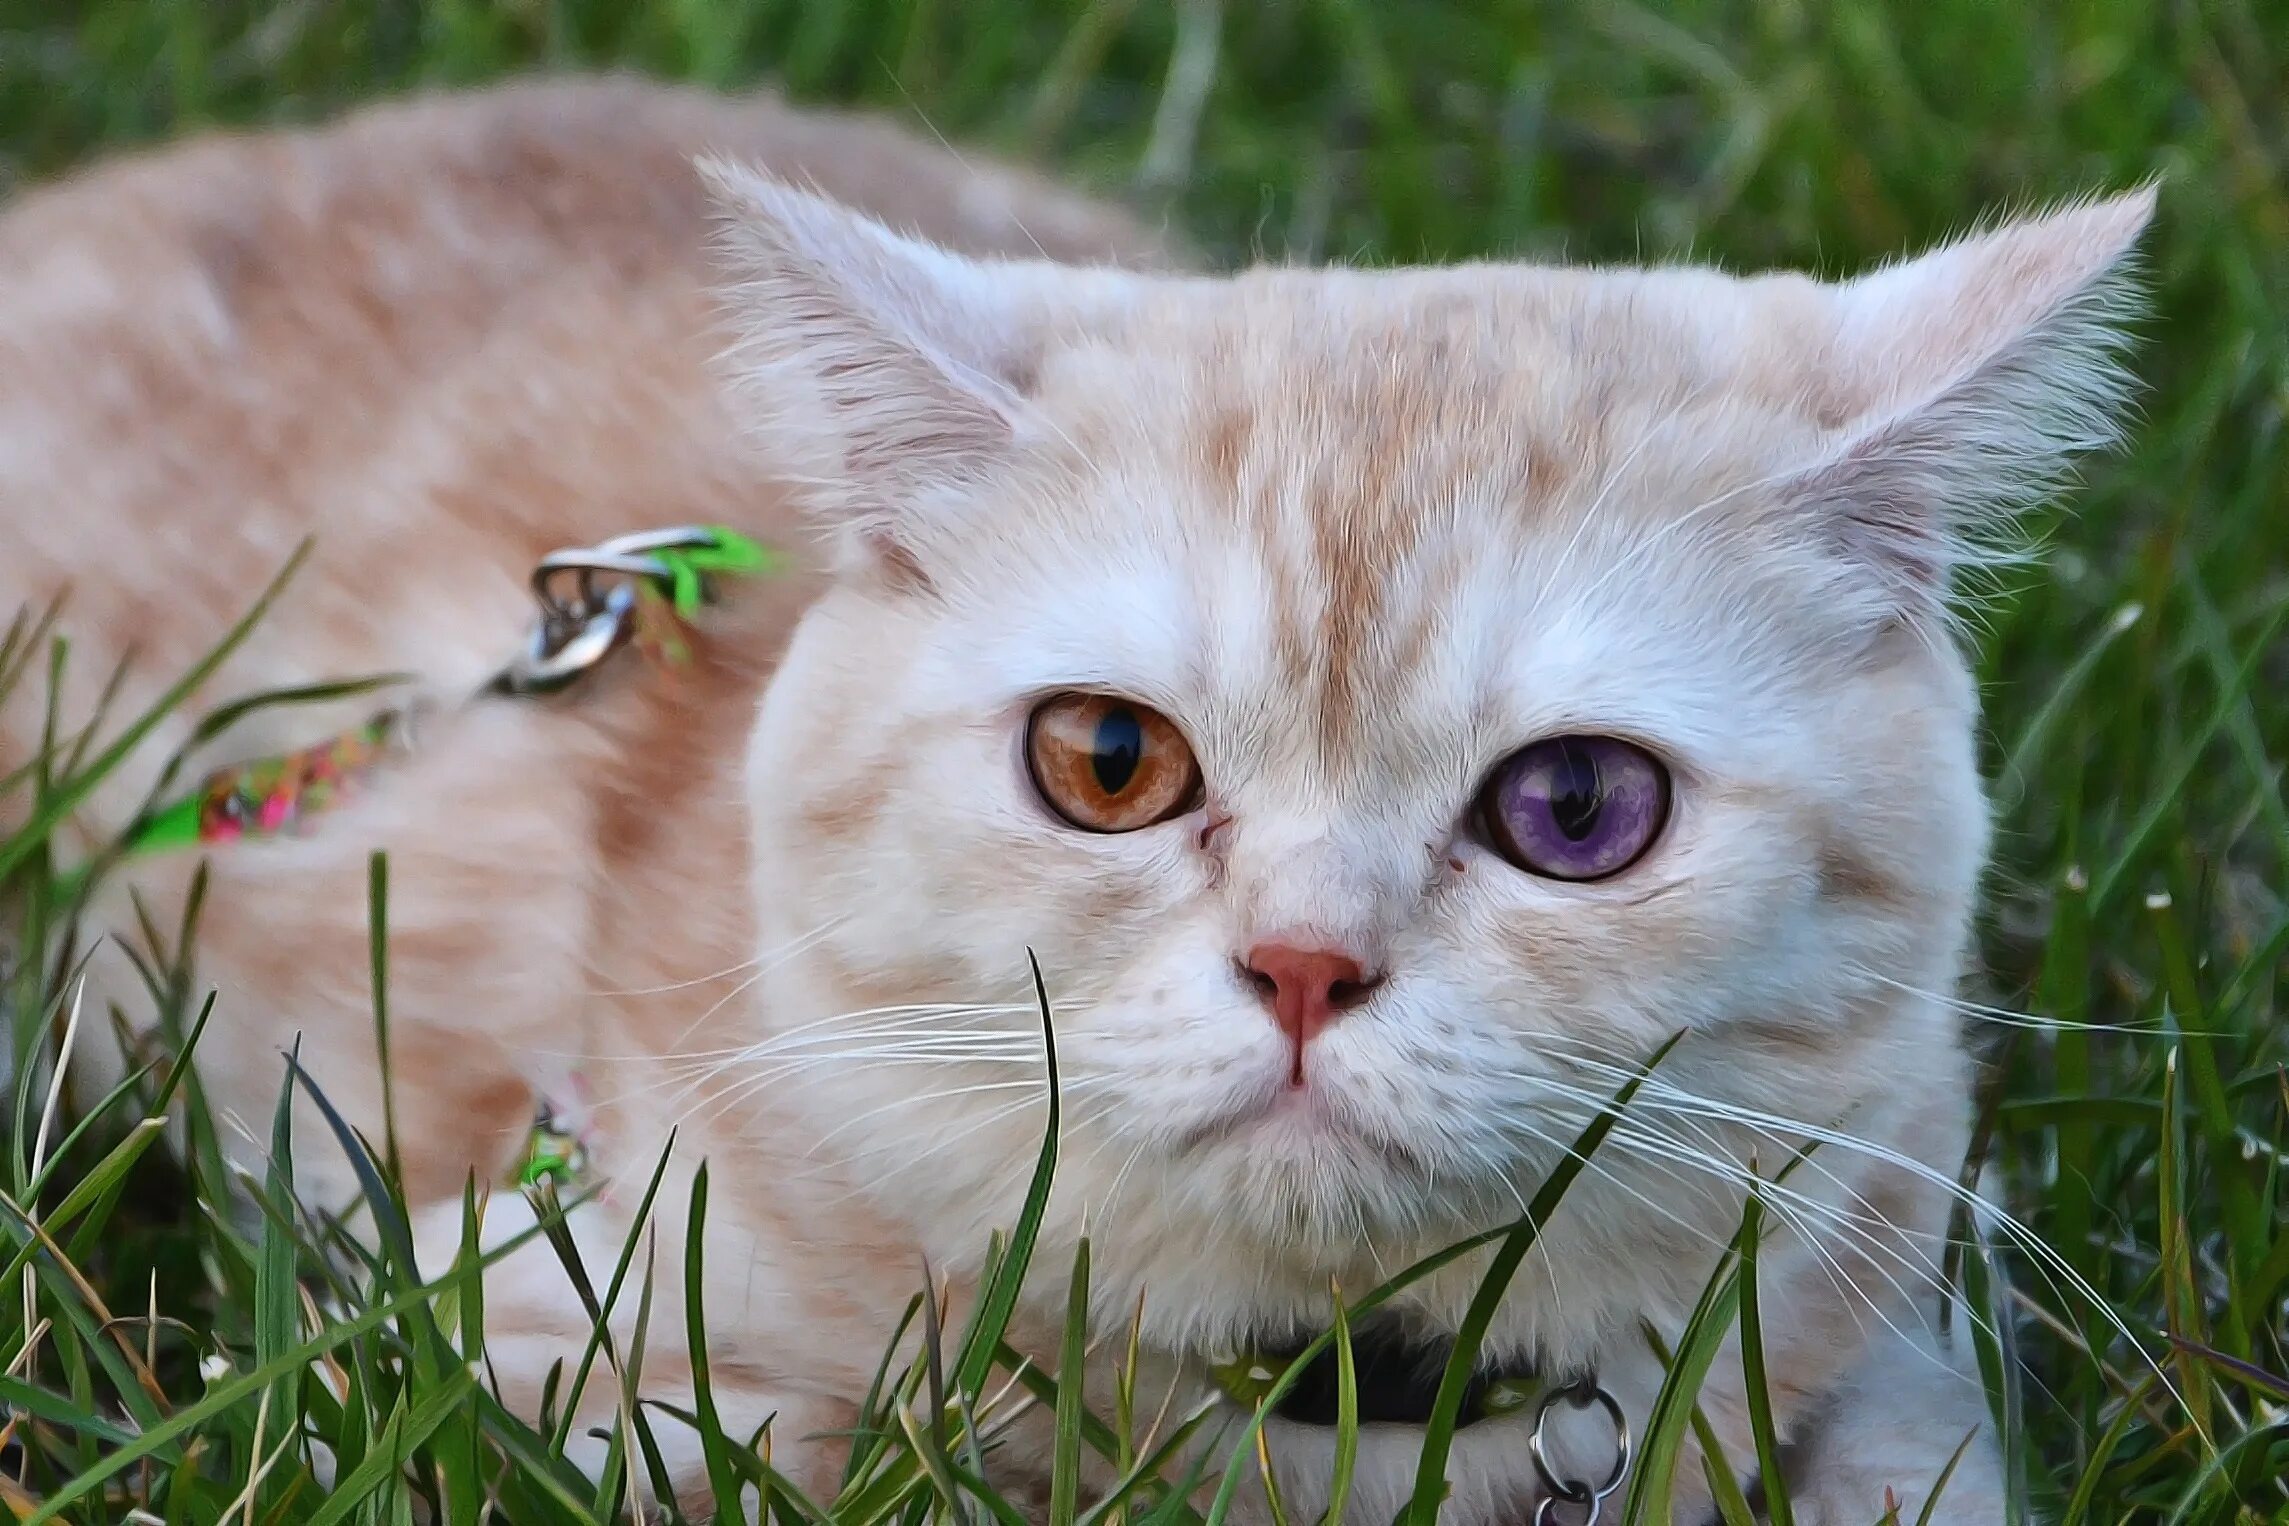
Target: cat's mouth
point(1279, 1116)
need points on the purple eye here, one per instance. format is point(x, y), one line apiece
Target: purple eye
point(1576, 807)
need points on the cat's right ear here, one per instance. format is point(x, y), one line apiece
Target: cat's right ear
point(879, 372)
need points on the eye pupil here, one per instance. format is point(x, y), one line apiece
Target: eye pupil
point(1579, 794)
point(1119, 748)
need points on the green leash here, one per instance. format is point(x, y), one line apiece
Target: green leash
point(726, 552)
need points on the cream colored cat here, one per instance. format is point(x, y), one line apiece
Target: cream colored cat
point(1390, 705)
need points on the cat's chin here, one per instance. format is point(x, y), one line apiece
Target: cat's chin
point(1278, 1116)
point(1311, 1147)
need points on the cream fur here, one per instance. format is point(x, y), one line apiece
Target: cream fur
point(1361, 535)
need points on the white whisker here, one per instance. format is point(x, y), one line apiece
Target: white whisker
point(1660, 1094)
point(2004, 1017)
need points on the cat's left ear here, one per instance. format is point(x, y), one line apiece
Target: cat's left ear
point(878, 370)
point(1970, 378)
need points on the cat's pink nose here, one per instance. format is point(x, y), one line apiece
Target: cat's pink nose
point(1305, 989)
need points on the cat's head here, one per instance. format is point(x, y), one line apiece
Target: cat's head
point(1390, 705)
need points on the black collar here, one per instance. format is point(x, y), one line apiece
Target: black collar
point(1399, 1373)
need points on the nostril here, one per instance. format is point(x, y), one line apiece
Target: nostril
point(1346, 994)
point(1263, 984)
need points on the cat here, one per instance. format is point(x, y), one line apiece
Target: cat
point(1390, 705)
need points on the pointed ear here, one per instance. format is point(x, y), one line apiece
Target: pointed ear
point(874, 368)
point(1970, 378)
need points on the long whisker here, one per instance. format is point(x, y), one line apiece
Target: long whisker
point(902, 1051)
point(761, 968)
point(673, 986)
point(1658, 1093)
point(2004, 1017)
point(697, 1067)
point(1710, 1156)
point(1870, 1237)
point(917, 1014)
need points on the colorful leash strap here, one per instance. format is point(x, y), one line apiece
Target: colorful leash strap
point(640, 589)
point(271, 797)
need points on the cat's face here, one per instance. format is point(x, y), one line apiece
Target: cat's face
point(1388, 706)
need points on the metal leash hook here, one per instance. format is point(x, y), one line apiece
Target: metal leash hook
point(1588, 1498)
point(581, 627)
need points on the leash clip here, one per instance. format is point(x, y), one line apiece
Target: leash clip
point(1586, 1497)
point(584, 620)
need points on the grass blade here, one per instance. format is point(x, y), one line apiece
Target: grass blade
point(277, 1304)
point(1346, 1416)
point(1946, 1476)
point(1065, 1460)
point(722, 1479)
point(377, 951)
point(599, 1332)
point(1759, 1391)
point(999, 1299)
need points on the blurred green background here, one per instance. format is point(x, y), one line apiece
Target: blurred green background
point(2137, 681)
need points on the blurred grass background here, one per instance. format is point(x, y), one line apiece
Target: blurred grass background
point(2137, 682)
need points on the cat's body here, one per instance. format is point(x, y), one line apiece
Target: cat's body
point(1358, 537)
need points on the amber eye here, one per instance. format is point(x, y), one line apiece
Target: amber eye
point(1107, 765)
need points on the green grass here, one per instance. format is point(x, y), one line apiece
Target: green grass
point(2136, 725)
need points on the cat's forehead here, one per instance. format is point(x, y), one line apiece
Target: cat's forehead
point(1354, 422)
point(1468, 368)
point(1366, 495)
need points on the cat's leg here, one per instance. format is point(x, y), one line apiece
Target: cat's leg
point(1888, 1433)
